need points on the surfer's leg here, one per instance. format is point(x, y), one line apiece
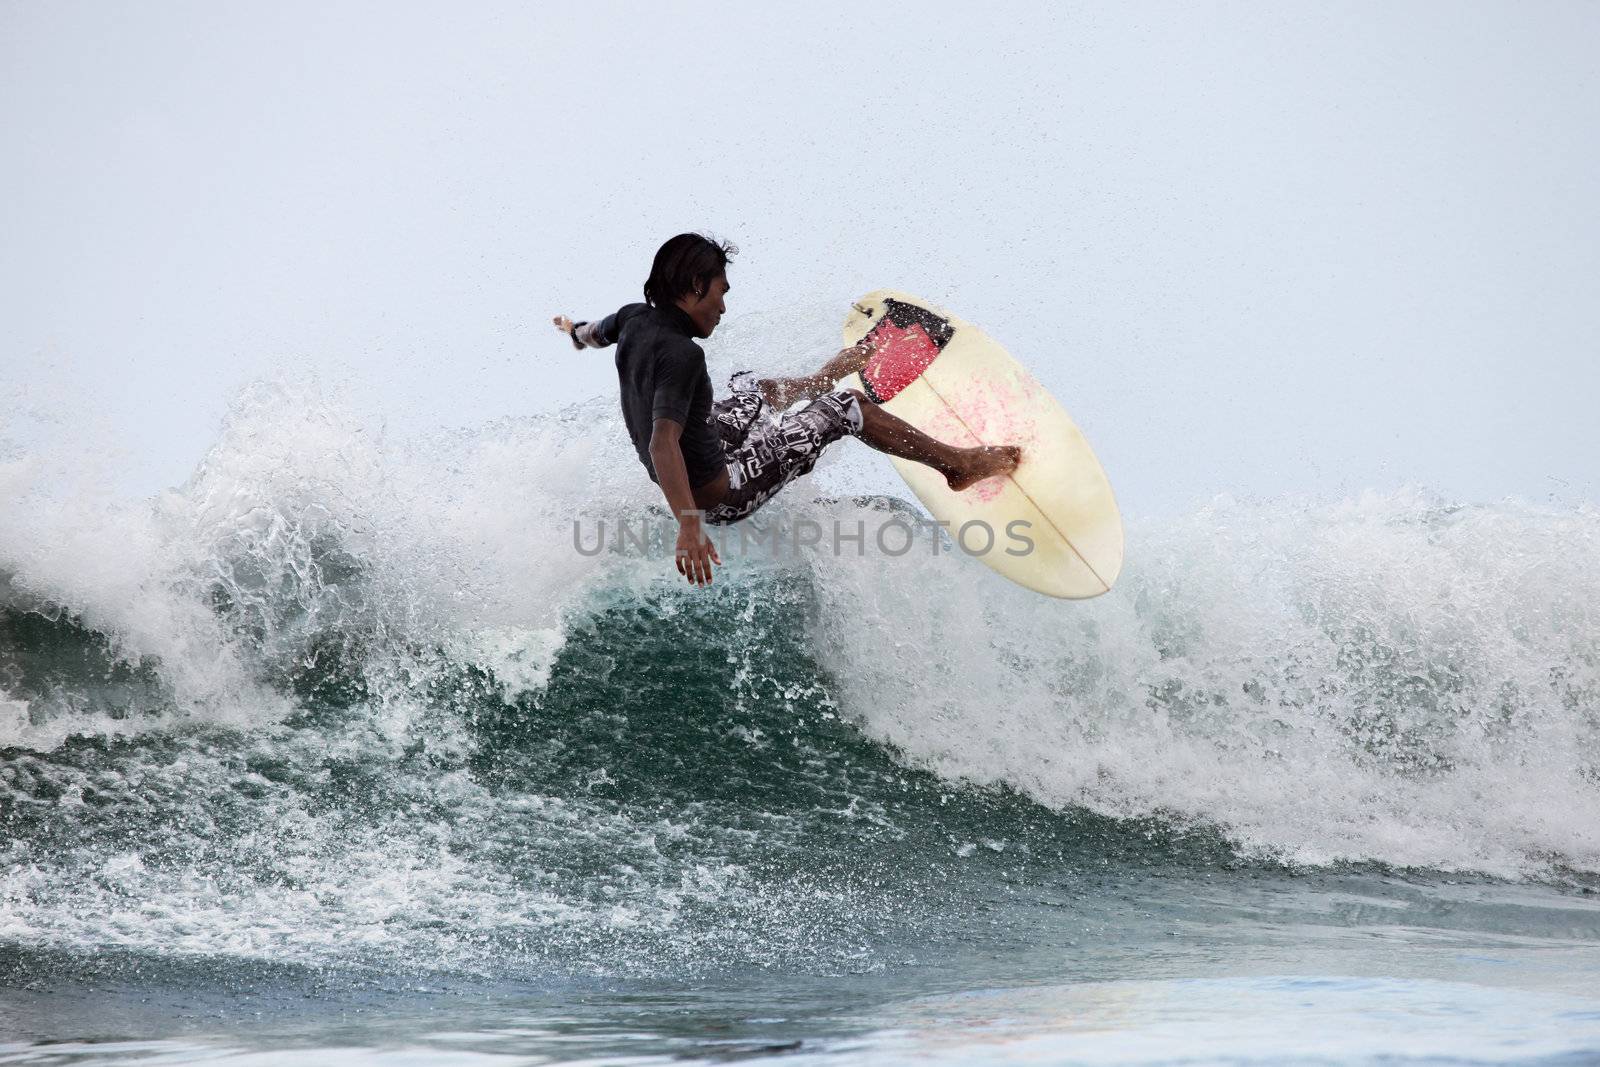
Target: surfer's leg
point(734, 416)
point(776, 453)
point(960, 466)
point(781, 392)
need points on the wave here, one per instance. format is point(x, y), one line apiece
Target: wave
point(1388, 679)
point(341, 698)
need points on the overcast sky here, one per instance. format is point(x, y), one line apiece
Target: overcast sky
point(1255, 249)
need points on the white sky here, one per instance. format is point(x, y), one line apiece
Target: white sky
point(1255, 249)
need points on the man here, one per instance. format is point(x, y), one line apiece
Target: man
point(719, 461)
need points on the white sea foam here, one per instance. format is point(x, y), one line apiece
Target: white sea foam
point(1387, 678)
point(304, 519)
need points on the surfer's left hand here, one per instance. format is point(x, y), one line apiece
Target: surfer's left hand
point(695, 552)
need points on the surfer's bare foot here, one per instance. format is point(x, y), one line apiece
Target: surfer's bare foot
point(982, 462)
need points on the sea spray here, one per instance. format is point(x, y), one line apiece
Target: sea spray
point(1389, 679)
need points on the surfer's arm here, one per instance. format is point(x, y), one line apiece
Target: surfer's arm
point(584, 334)
point(695, 553)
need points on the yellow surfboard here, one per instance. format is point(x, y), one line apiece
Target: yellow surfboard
point(952, 381)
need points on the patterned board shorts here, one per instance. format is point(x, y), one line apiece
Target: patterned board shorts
point(765, 453)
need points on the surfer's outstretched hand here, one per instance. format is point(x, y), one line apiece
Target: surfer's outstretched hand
point(695, 552)
point(563, 324)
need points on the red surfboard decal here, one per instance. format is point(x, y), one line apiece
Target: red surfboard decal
point(905, 341)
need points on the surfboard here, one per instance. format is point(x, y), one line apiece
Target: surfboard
point(952, 381)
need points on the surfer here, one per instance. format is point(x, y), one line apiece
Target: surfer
point(718, 461)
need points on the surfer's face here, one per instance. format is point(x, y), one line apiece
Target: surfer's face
point(706, 309)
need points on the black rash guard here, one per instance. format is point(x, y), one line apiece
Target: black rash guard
point(662, 374)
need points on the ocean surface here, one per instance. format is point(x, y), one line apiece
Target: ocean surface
point(345, 752)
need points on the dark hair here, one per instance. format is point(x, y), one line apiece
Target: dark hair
point(685, 264)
